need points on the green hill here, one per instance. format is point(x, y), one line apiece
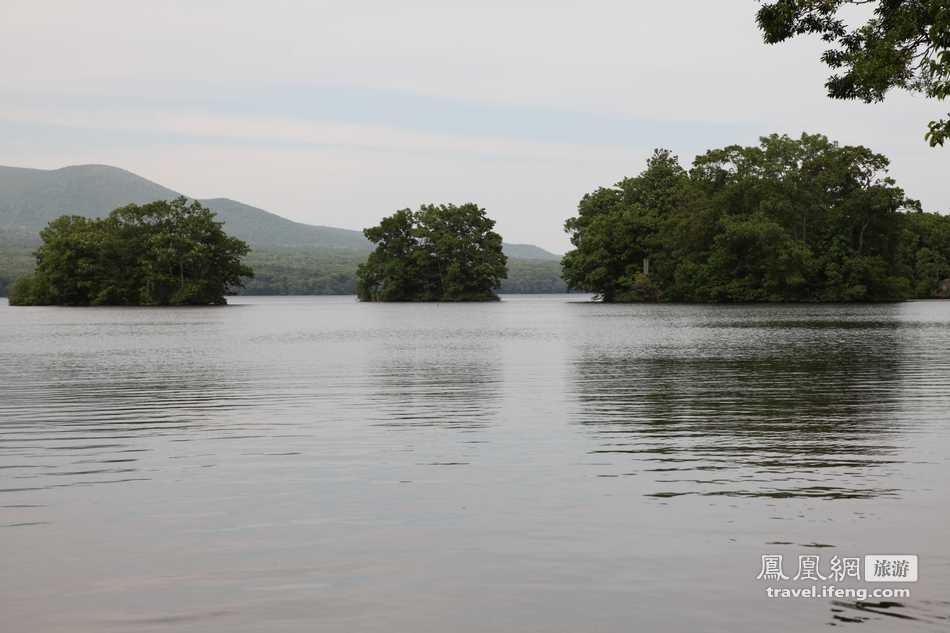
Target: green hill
point(289, 257)
point(529, 251)
point(30, 198)
point(264, 230)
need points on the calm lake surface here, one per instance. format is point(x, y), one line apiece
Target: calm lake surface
point(537, 464)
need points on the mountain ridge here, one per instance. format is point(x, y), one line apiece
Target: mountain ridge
point(30, 198)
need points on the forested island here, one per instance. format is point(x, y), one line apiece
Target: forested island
point(794, 220)
point(162, 253)
point(438, 253)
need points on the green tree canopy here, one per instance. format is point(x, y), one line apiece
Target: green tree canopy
point(903, 44)
point(787, 220)
point(438, 253)
point(161, 253)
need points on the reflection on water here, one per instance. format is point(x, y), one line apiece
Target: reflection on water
point(923, 615)
point(462, 394)
point(765, 409)
point(534, 464)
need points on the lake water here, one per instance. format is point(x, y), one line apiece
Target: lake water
point(537, 464)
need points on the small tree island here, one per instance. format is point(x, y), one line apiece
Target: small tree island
point(162, 253)
point(438, 253)
point(789, 220)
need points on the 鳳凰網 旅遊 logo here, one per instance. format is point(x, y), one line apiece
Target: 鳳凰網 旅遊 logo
point(787, 572)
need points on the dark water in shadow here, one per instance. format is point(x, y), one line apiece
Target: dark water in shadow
point(536, 464)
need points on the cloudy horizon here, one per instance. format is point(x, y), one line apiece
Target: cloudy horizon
point(339, 113)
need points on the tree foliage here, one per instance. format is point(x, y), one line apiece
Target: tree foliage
point(904, 44)
point(438, 253)
point(161, 253)
point(788, 220)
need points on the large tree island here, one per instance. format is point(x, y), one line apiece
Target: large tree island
point(788, 220)
point(439, 253)
point(161, 253)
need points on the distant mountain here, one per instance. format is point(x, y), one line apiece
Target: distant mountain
point(529, 251)
point(30, 198)
point(289, 257)
point(265, 230)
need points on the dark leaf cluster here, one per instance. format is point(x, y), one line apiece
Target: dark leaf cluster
point(787, 220)
point(902, 44)
point(161, 253)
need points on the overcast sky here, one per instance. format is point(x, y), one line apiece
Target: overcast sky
point(338, 113)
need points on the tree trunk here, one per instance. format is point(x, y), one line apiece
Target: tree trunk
point(861, 236)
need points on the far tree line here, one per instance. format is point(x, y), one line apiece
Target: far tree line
point(321, 271)
point(803, 220)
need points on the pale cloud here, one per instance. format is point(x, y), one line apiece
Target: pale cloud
point(327, 134)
